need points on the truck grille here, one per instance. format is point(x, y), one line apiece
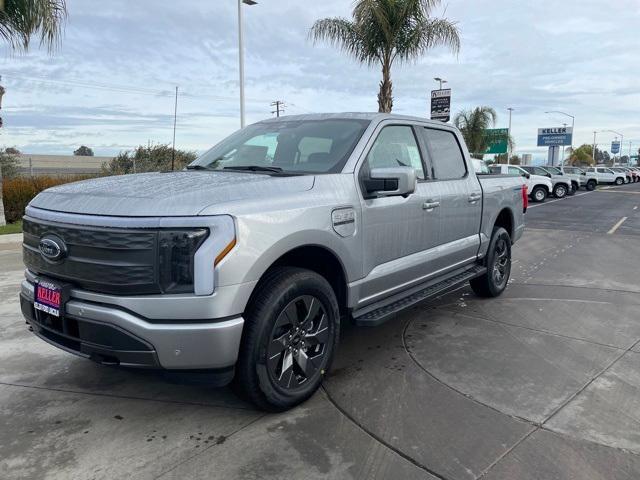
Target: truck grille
point(104, 260)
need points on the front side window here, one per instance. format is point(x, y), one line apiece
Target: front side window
point(540, 171)
point(395, 146)
point(445, 154)
point(515, 171)
point(302, 146)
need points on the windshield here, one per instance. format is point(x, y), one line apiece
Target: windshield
point(554, 170)
point(302, 146)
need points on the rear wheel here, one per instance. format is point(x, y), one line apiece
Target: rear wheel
point(539, 194)
point(560, 191)
point(290, 333)
point(494, 281)
point(574, 189)
point(591, 185)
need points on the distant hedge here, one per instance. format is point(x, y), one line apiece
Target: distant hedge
point(17, 192)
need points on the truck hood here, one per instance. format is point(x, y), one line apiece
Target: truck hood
point(183, 193)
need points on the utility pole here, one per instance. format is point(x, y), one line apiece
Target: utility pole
point(593, 150)
point(562, 161)
point(509, 138)
point(279, 107)
point(175, 118)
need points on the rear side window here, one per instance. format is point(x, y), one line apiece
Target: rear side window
point(445, 154)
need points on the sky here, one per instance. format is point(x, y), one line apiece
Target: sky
point(110, 85)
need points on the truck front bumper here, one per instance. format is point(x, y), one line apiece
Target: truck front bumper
point(112, 335)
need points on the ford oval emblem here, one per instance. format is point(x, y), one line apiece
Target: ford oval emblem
point(52, 248)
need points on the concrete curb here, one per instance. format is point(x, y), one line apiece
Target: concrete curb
point(11, 238)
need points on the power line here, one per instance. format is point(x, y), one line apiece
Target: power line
point(121, 88)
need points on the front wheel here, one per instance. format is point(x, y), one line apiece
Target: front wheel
point(560, 191)
point(539, 194)
point(574, 189)
point(290, 333)
point(619, 181)
point(494, 281)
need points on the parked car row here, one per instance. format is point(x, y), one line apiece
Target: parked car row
point(546, 181)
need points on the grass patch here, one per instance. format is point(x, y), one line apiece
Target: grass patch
point(11, 228)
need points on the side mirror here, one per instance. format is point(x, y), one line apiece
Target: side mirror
point(392, 181)
point(526, 175)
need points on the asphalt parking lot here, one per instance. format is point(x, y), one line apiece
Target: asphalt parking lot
point(541, 383)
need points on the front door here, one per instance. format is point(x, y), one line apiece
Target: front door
point(397, 231)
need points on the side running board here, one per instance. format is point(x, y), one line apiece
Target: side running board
point(368, 317)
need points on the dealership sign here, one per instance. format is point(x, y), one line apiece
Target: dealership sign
point(496, 140)
point(551, 137)
point(441, 104)
point(615, 147)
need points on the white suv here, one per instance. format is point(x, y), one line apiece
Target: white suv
point(606, 175)
point(539, 187)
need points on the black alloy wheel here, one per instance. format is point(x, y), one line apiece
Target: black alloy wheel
point(498, 262)
point(290, 334)
point(501, 262)
point(298, 343)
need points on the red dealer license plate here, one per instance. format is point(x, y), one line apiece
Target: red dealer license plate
point(48, 297)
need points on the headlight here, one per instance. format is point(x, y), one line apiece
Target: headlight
point(176, 260)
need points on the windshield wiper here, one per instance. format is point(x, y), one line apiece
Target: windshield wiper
point(198, 167)
point(255, 168)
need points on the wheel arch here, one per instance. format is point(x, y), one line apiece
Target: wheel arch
point(505, 219)
point(317, 258)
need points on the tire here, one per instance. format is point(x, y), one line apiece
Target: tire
point(280, 330)
point(495, 280)
point(539, 194)
point(574, 189)
point(560, 191)
point(591, 185)
point(619, 181)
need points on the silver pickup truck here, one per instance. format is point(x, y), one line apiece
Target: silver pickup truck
point(242, 266)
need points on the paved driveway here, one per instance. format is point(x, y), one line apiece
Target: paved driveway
point(541, 383)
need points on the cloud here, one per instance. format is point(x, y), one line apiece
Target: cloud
point(111, 83)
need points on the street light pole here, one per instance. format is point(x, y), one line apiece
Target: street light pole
point(593, 150)
point(241, 57)
point(509, 138)
point(441, 80)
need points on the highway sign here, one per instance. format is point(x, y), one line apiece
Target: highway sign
point(550, 137)
point(497, 140)
point(441, 104)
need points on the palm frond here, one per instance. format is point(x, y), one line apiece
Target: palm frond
point(346, 35)
point(22, 19)
point(427, 34)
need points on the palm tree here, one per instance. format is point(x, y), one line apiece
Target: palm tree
point(20, 20)
point(472, 124)
point(383, 31)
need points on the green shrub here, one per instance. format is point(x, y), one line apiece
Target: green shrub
point(17, 192)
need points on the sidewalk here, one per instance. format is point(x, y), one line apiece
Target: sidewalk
point(11, 238)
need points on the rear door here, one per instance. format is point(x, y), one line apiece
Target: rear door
point(460, 196)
